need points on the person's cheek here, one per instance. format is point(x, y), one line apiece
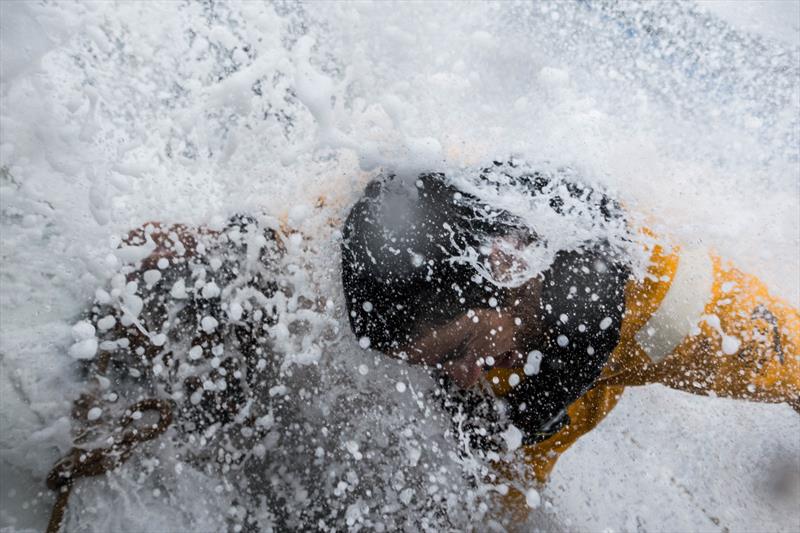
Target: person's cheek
point(464, 372)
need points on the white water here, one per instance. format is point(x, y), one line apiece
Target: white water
point(113, 115)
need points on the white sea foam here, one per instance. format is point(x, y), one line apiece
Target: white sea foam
point(116, 114)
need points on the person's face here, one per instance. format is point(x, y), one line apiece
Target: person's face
point(480, 339)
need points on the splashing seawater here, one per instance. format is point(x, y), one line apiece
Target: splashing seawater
point(113, 115)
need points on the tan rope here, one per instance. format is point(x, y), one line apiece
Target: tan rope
point(80, 463)
point(57, 515)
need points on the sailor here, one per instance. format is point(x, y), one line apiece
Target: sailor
point(431, 275)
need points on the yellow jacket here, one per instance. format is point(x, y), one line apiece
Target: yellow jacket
point(697, 324)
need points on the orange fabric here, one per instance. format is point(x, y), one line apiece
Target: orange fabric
point(764, 330)
point(499, 379)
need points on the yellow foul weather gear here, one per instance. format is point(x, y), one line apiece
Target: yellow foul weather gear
point(694, 323)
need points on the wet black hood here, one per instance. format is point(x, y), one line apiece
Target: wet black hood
point(581, 309)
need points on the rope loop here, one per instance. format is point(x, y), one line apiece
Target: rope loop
point(142, 434)
point(80, 462)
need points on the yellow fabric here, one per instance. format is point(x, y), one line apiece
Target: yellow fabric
point(498, 379)
point(765, 368)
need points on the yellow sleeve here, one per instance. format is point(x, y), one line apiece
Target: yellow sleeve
point(746, 345)
point(711, 329)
